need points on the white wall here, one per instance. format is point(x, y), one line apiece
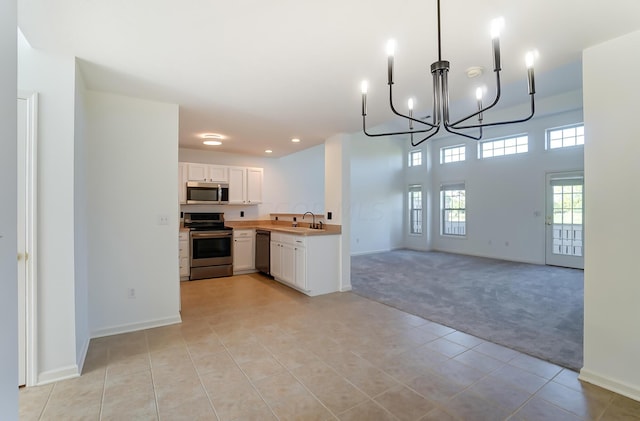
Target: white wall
point(8, 218)
point(132, 179)
point(53, 78)
point(612, 287)
point(376, 193)
point(81, 246)
point(292, 184)
point(505, 196)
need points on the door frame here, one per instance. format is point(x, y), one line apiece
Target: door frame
point(577, 262)
point(31, 183)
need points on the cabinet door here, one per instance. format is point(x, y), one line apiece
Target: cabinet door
point(236, 185)
point(288, 269)
point(197, 172)
point(254, 185)
point(301, 267)
point(243, 254)
point(182, 182)
point(218, 174)
point(276, 259)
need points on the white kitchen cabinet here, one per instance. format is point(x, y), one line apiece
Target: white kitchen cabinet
point(243, 251)
point(183, 256)
point(182, 182)
point(207, 172)
point(245, 185)
point(306, 263)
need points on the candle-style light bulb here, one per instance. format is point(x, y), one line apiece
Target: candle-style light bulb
point(496, 26)
point(364, 86)
point(410, 105)
point(391, 49)
point(479, 92)
point(529, 59)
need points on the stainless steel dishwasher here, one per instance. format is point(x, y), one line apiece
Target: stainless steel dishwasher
point(263, 251)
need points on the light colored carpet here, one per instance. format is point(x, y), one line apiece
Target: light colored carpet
point(534, 309)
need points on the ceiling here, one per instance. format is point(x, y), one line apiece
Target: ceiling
point(262, 72)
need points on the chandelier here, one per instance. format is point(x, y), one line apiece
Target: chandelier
point(440, 116)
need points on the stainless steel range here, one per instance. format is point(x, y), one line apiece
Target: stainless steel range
point(211, 254)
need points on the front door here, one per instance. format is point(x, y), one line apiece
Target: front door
point(564, 220)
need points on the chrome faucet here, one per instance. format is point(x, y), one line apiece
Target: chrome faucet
point(313, 224)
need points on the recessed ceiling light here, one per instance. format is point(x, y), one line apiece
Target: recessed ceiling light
point(212, 142)
point(268, 151)
point(295, 140)
point(475, 71)
point(212, 136)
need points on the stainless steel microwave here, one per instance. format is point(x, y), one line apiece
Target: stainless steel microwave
point(201, 193)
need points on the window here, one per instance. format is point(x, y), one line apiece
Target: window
point(415, 209)
point(506, 146)
point(415, 158)
point(453, 204)
point(564, 137)
point(452, 154)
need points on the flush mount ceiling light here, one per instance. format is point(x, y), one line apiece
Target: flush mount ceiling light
point(268, 151)
point(440, 72)
point(212, 136)
point(295, 140)
point(212, 142)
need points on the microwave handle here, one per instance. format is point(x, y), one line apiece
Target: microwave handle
point(219, 193)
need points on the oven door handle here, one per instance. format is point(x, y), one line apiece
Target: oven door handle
point(210, 234)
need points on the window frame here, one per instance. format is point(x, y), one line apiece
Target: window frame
point(415, 188)
point(452, 187)
point(481, 148)
point(547, 136)
point(411, 160)
point(452, 147)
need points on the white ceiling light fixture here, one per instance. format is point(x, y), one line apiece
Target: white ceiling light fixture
point(268, 151)
point(212, 142)
point(441, 117)
point(295, 140)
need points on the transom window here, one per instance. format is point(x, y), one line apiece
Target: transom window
point(506, 146)
point(454, 209)
point(452, 154)
point(564, 137)
point(415, 209)
point(415, 158)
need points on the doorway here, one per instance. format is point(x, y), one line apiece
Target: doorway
point(27, 104)
point(565, 219)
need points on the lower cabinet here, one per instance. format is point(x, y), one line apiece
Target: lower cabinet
point(244, 251)
point(185, 266)
point(306, 263)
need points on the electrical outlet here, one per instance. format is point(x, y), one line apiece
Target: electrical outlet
point(131, 293)
point(241, 214)
point(163, 219)
point(329, 215)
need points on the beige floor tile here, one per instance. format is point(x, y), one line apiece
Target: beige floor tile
point(622, 408)
point(496, 351)
point(368, 410)
point(404, 404)
point(280, 387)
point(188, 410)
point(305, 407)
point(171, 395)
point(590, 403)
point(439, 414)
point(262, 367)
point(335, 393)
point(501, 393)
point(536, 366)
point(436, 328)
point(459, 372)
point(236, 400)
point(538, 409)
point(464, 339)
point(174, 372)
point(519, 378)
point(435, 388)
point(469, 406)
point(32, 401)
point(479, 361)
point(445, 347)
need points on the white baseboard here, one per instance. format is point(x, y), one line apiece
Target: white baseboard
point(58, 374)
point(622, 388)
point(362, 253)
point(83, 355)
point(133, 327)
point(345, 288)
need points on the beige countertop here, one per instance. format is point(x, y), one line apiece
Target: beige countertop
point(303, 229)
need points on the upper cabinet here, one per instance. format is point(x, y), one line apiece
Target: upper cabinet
point(245, 186)
point(206, 172)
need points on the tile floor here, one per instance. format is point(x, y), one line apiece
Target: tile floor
point(252, 349)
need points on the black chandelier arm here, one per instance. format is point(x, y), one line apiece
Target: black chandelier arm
point(482, 110)
point(500, 123)
point(414, 144)
point(452, 130)
point(364, 129)
point(396, 112)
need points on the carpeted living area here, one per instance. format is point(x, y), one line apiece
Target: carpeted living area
point(535, 309)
